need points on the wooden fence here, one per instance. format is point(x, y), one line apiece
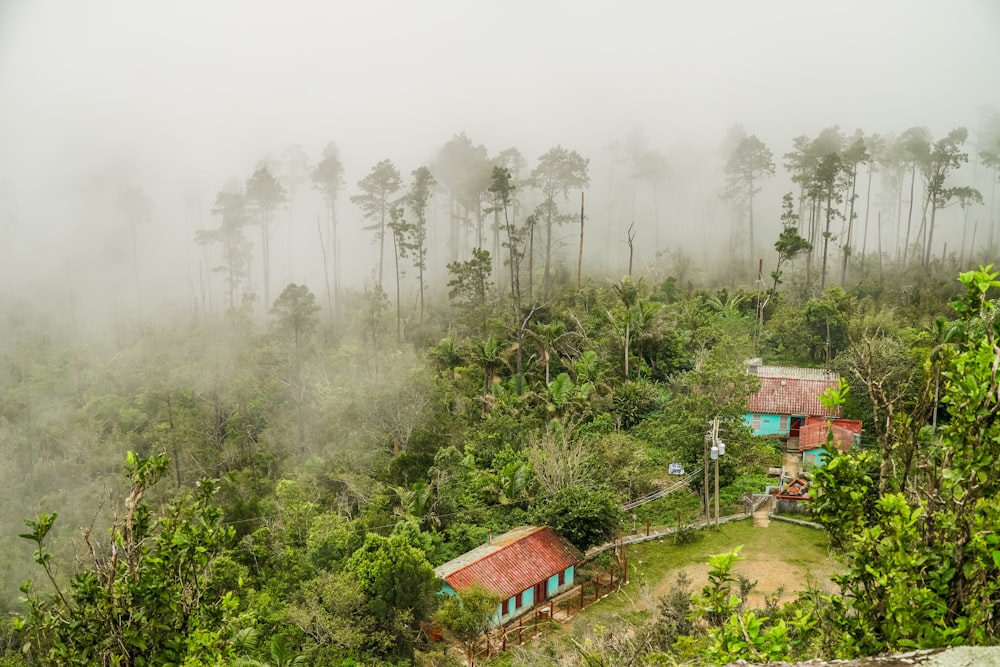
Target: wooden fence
point(557, 609)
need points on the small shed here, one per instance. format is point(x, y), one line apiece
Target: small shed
point(526, 566)
point(814, 438)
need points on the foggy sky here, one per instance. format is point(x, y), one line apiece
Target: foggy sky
point(181, 96)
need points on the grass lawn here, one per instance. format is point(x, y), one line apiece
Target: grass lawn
point(780, 556)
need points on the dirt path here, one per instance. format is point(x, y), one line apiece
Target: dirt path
point(770, 573)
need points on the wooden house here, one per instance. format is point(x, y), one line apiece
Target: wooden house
point(526, 566)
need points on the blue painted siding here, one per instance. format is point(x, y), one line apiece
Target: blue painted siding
point(508, 608)
point(816, 457)
point(770, 425)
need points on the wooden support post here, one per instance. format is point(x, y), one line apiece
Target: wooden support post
point(647, 526)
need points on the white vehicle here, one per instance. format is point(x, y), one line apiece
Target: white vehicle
point(675, 469)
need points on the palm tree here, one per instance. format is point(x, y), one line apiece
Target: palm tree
point(550, 338)
point(446, 355)
point(728, 309)
point(508, 484)
point(491, 356)
point(628, 294)
point(415, 503)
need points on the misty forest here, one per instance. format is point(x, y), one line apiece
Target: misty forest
point(244, 416)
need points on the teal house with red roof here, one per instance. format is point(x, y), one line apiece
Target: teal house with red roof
point(525, 566)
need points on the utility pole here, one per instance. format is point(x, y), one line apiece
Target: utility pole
point(704, 466)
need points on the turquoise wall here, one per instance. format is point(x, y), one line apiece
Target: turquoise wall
point(507, 608)
point(769, 425)
point(816, 457)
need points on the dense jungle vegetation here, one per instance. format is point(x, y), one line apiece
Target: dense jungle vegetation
point(291, 477)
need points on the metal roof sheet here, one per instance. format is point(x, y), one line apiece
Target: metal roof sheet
point(512, 562)
point(794, 372)
point(792, 396)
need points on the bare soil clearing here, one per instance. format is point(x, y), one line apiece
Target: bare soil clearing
point(779, 557)
point(772, 571)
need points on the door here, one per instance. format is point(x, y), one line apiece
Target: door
point(541, 593)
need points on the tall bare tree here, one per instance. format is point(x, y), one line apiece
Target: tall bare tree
point(231, 209)
point(945, 157)
point(559, 170)
point(376, 200)
point(748, 166)
point(264, 195)
point(136, 207)
point(328, 179)
point(417, 199)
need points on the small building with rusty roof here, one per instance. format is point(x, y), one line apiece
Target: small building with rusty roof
point(787, 396)
point(787, 408)
point(525, 566)
point(818, 434)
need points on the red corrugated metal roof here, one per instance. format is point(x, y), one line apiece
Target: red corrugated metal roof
point(813, 435)
point(512, 562)
point(792, 396)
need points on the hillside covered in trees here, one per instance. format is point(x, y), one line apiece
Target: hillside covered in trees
point(298, 459)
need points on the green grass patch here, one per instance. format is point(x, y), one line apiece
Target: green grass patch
point(651, 563)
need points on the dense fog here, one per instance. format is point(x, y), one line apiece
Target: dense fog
point(175, 103)
point(394, 278)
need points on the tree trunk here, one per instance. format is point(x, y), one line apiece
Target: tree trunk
point(868, 201)
point(381, 242)
point(930, 233)
point(326, 271)
point(909, 216)
point(399, 317)
point(579, 258)
point(265, 261)
point(750, 194)
point(546, 278)
point(826, 236)
point(850, 227)
point(531, 259)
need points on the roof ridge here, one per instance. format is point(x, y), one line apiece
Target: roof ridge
point(500, 548)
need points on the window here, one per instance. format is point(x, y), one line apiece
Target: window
point(519, 601)
point(562, 578)
point(755, 422)
point(783, 423)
